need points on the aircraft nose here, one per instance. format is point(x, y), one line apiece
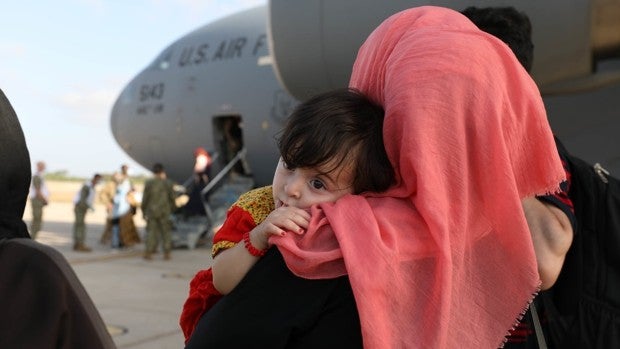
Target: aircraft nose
point(119, 125)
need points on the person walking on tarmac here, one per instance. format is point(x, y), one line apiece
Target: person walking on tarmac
point(201, 176)
point(39, 196)
point(83, 201)
point(157, 205)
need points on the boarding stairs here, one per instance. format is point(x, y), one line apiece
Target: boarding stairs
point(222, 191)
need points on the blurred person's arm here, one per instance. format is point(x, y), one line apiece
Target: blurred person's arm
point(552, 235)
point(146, 199)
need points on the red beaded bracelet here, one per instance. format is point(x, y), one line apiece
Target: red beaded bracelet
point(253, 250)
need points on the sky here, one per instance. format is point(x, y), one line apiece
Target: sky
point(63, 63)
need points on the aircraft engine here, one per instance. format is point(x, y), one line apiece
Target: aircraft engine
point(314, 42)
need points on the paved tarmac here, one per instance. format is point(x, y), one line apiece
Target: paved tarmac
point(140, 301)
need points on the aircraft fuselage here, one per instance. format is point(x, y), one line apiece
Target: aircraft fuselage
point(181, 101)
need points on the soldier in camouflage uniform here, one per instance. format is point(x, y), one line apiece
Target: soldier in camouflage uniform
point(157, 206)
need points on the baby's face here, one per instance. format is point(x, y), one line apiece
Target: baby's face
point(304, 187)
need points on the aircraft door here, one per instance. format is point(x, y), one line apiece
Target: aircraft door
point(228, 137)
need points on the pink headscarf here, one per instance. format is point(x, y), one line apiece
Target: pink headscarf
point(443, 259)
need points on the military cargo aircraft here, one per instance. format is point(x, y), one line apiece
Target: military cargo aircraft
point(251, 68)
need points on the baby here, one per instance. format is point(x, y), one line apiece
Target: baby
point(331, 146)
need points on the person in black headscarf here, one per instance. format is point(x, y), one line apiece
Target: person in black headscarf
point(42, 302)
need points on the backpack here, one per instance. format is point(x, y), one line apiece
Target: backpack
point(583, 307)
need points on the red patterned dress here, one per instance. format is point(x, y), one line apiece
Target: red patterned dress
point(250, 210)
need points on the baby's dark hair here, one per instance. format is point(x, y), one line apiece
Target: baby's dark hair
point(341, 125)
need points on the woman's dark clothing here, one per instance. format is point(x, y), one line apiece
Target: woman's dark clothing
point(273, 308)
point(14, 173)
point(42, 302)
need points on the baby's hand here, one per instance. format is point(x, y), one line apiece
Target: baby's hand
point(280, 220)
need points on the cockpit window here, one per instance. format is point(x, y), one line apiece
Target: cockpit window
point(163, 61)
